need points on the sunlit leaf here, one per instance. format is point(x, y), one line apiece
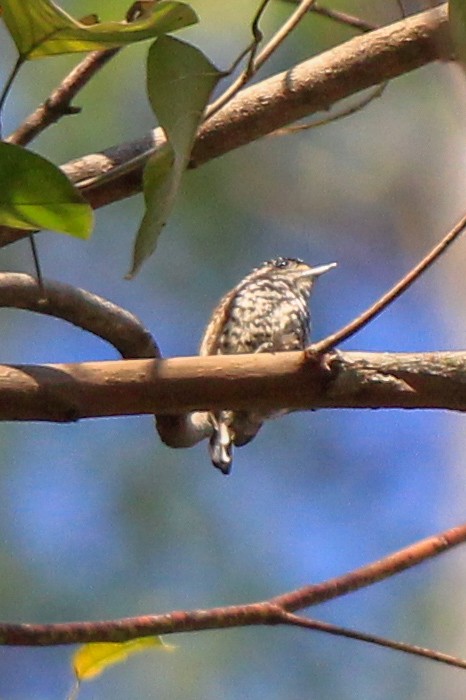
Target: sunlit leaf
point(92, 659)
point(180, 80)
point(41, 28)
point(35, 194)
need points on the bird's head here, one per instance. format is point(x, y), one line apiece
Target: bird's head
point(294, 271)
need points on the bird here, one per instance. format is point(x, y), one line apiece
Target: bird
point(266, 312)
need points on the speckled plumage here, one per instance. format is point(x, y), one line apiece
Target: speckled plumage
point(266, 312)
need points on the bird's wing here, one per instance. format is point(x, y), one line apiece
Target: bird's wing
point(210, 340)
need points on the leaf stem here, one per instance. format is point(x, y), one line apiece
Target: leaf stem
point(8, 84)
point(35, 257)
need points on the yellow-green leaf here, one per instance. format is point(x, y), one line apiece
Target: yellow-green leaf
point(36, 194)
point(180, 80)
point(92, 659)
point(41, 28)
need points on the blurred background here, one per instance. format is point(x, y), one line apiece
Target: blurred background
point(99, 520)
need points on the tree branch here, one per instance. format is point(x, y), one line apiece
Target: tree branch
point(87, 311)
point(69, 392)
point(109, 322)
point(336, 630)
point(269, 612)
point(392, 294)
point(341, 17)
point(310, 87)
point(58, 104)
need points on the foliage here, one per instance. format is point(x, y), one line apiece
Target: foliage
point(36, 194)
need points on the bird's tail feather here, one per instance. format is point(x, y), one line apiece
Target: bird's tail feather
point(221, 443)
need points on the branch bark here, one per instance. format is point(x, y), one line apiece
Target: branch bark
point(83, 309)
point(268, 612)
point(69, 392)
point(301, 91)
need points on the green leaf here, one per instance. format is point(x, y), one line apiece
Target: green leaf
point(457, 17)
point(91, 659)
point(180, 80)
point(160, 188)
point(41, 28)
point(35, 194)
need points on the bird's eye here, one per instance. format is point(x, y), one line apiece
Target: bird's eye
point(281, 263)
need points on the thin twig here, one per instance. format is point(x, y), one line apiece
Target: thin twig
point(367, 575)
point(399, 3)
point(257, 37)
point(7, 86)
point(357, 24)
point(340, 17)
point(338, 631)
point(35, 257)
point(286, 131)
point(284, 31)
point(389, 297)
point(58, 104)
point(267, 612)
point(264, 55)
point(248, 72)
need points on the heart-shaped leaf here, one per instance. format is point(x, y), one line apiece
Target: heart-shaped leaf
point(35, 194)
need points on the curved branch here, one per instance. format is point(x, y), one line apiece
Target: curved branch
point(269, 612)
point(310, 87)
point(81, 308)
point(107, 321)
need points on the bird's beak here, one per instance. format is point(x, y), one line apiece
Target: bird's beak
point(317, 271)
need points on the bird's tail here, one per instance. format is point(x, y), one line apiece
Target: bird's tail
point(221, 441)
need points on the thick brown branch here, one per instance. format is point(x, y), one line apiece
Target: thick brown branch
point(68, 392)
point(257, 111)
point(320, 82)
point(264, 613)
